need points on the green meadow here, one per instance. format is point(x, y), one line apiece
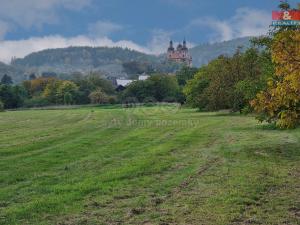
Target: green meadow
point(146, 165)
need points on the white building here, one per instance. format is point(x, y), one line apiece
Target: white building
point(143, 76)
point(123, 82)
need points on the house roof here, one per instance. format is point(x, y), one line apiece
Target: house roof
point(143, 77)
point(121, 82)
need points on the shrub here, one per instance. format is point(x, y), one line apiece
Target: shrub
point(98, 97)
point(112, 100)
point(130, 102)
point(36, 102)
point(68, 98)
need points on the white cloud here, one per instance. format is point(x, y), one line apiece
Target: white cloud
point(21, 48)
point(103, 28)
point(222, 29)
point(35, 13)
point(251, 22)
point(245, 22)
point(160, 40)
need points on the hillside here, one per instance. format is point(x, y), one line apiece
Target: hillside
point(82, 59)
point(157, 165)
point(204, 53)
point(110, 61)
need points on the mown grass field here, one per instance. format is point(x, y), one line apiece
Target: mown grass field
point(156, 165)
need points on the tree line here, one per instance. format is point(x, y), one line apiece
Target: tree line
point(86, 89)
point(229, 82)
point(43, 91)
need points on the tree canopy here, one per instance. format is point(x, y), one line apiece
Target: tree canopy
point(158, 87)
point(228, 82)
point(280, 103)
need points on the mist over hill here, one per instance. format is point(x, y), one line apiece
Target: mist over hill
point(204, 53)
point(15, 72)
point(111, 62)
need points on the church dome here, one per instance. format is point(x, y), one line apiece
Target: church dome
point(179, 47)
point(171, 49)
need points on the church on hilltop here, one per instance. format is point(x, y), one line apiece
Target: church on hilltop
point(180, 54)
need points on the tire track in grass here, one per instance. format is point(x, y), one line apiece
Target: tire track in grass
point(178, 191)
point(158, 204)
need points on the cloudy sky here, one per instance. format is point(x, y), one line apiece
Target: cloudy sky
point(145, 25)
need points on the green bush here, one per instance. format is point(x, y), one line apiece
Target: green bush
point(112, 100)
point(36, 102)
point(98, 97)
point(149, 101)
point(68, 98)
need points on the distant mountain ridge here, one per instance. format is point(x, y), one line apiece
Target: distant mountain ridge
point(82, 59)
point(81, 56)
point(109, 61)
point(202, 54)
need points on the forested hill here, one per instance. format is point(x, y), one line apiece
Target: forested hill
point(108, 61)
point(204, 53)
point(112, 62)
point(82, 57)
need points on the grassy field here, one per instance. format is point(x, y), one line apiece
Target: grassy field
point(157, 165)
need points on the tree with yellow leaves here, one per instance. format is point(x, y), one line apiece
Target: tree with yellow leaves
point(280, 103)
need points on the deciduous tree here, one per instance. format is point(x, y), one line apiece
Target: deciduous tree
point(98, 97)
point(280, 103)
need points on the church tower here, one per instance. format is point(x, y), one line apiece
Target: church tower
point(180, 55)
point(171, 49)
